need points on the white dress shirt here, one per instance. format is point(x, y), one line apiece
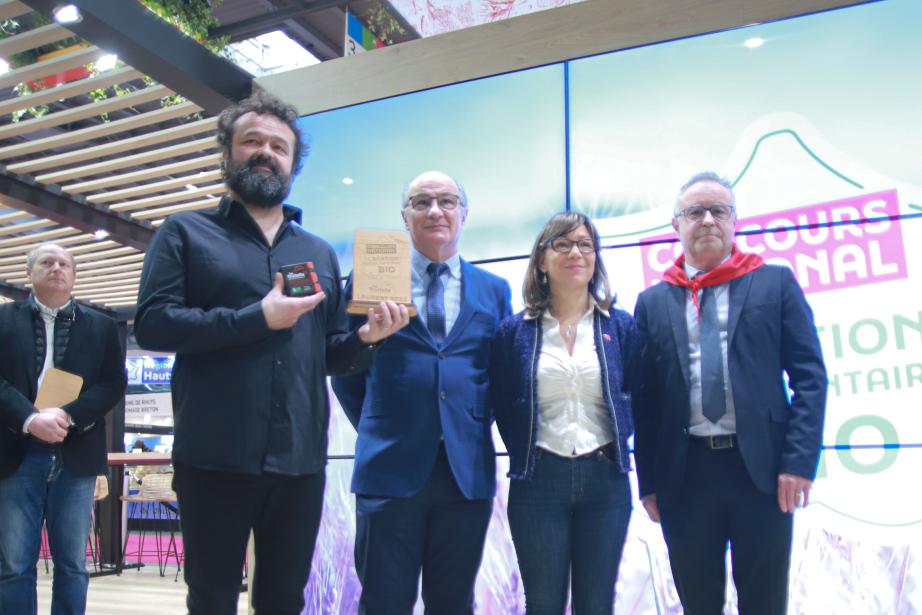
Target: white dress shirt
point(573, 418)
point(698, 424)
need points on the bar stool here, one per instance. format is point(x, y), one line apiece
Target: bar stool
point(156, 508)
point(100, 493)
point(44, 551)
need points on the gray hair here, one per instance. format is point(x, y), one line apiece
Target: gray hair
point(30, 257)
point(706, 176)
point(405, 195)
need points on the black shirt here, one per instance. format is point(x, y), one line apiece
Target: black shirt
point(245, 398)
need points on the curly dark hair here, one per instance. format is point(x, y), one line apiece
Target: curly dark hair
point(263, 103)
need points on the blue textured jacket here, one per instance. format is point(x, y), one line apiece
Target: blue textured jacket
point(514, 387)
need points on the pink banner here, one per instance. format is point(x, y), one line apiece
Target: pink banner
point(833, 254)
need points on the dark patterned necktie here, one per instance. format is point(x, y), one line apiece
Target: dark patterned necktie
point(435, 301)
point(713, 391)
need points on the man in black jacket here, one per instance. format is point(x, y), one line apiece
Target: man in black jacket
point(249, 391)
point(49, 457)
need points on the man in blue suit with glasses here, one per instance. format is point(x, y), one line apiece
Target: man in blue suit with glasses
point(424, 474)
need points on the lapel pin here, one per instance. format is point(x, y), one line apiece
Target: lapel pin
point(606, 337)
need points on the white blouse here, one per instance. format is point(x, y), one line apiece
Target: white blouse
point(573, 418)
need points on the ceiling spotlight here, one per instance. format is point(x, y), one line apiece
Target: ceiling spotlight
point(754, 43)
point(191, 186)
point(348, 181)
point(4, 66)
point(106, 62)
point(67, 14)
point(100, 234)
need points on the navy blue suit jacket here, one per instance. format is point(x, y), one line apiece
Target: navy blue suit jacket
point(417, 391)
point(770, 333)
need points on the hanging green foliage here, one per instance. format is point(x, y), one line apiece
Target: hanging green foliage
point(193, 18)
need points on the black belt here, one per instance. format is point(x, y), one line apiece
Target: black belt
point(715, 443)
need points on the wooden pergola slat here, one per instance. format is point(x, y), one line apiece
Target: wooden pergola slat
point(12, 217)
point(98, 168)
point(109, 282)
point(173, 197)
point(13, 8)
point(167, 184)
point(80, 57)
point(38, 239)
point(25, 226)
point(99, 131)
point(50, 33)
point(163, 212)
point(69, 90)
point(115, 147)
point(84, 111)
point(136, 176)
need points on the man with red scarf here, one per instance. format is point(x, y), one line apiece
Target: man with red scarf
point(724, 453)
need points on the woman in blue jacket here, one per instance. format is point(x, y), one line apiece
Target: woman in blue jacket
point(561, 376)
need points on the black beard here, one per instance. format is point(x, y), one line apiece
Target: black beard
point(255, 186)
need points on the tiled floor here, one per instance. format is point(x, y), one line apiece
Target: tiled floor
point(135, 592)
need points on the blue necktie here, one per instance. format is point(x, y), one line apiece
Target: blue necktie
point(435, 301)
point(713, 391)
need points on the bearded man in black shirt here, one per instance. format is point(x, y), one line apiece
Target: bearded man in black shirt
point(249, 393)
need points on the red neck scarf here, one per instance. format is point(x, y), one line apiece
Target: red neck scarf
point(738, 265)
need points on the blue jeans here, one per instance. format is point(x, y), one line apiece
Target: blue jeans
point(570, 518)
point(42, 489)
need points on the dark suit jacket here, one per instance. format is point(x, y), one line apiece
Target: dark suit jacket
point(416, 391)
point(770, 333)
point(93, 352)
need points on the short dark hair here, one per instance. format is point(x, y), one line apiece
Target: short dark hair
point(537, 292)
point(261, 102)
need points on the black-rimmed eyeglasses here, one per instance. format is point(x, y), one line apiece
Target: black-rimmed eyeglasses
point(564, 245)
point(696, 213)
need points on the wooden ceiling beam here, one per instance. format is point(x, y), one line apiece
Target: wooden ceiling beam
point(24, 193)
point(153, 46)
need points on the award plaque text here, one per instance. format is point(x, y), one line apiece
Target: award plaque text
point(381, 271)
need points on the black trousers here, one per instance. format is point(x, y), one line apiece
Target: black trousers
point(719, 504)
point(218, 510)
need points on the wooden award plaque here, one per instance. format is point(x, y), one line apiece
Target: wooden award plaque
point(381, 271)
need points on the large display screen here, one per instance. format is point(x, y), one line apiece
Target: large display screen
point(816, 121)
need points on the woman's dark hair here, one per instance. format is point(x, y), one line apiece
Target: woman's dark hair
point(261, 102)
point(536, 291)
